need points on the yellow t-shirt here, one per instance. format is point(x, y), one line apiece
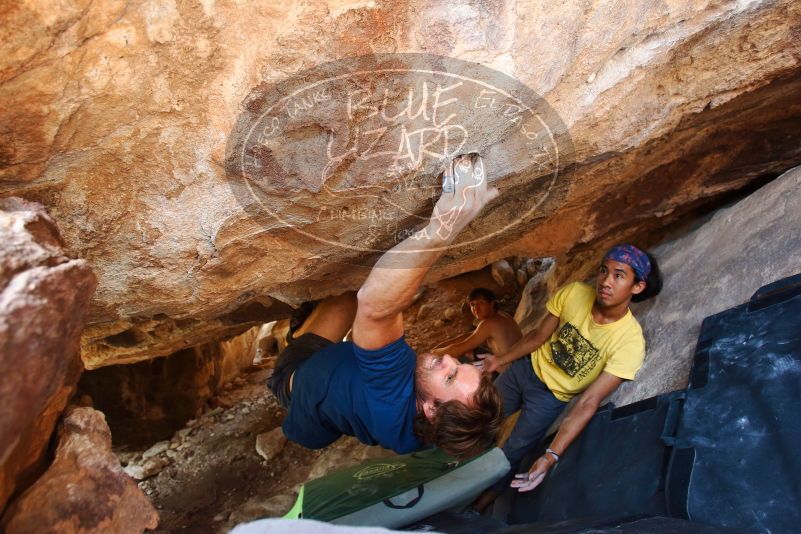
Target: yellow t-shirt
point(581, 349)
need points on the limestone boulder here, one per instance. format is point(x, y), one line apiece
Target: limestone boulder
point(44, 298)
point(118, 116)
point(711, 269)
point(85, 489)
point(531, 308)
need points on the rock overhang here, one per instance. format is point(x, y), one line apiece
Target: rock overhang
point(120, 116)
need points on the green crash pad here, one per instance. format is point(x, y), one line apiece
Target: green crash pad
point(393, 492)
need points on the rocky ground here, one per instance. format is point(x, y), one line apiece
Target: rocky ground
point(232, 464)
point(210, 476)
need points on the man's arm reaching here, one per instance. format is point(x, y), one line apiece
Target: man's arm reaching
point(453, 340)
point(393, 282)
point(530, 342)
point(570, 429)
point(473, 341)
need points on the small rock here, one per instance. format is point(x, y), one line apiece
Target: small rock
point(522, 277)
point(191, 423)
point(438, 323)
point(539, 265)
point(127, 457)
point(269, 444)
point(151, 466)
point(532, 266)
point(450, 314)
point(417, 296)
point(503, 274)
point(156, 449)
point(423, 311)
point(245, 410)
point(230, 417)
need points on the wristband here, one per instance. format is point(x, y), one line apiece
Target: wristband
point(553, 454)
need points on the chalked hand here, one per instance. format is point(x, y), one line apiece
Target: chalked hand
point(464, 195)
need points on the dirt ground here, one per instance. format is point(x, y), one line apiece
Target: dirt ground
point(208, 477)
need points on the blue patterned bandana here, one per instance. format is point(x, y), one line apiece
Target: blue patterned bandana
point(633, 257)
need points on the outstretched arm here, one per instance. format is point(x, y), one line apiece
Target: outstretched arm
point(530, 342)
point(570, 429)
point(474, 340)
point(391, 285)
point(453, 340)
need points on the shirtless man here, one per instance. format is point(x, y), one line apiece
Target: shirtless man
point(496, 330)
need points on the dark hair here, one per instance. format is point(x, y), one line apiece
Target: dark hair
point(464, 431)
point(482, 293)
point(653, 284)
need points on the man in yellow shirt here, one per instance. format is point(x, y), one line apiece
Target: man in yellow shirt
point(588, 344)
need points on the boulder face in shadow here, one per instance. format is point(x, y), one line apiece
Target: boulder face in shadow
point(44, 297)
point(148, 401)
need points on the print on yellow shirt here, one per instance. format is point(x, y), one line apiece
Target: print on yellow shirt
point(572, 353)
point(581, 349)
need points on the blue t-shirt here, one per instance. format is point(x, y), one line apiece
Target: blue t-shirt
point(344, 389)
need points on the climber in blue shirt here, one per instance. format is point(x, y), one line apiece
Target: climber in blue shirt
point(376, 388)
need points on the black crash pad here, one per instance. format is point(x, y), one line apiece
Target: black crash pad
point(624, 525)
point(466, 522)
point(736, 459)
point(616, 467)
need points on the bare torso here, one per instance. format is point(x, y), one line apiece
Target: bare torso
point(504, 332)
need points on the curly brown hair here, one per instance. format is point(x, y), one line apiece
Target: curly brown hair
point(464, 431)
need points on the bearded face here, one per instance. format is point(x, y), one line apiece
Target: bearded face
point(441, 379)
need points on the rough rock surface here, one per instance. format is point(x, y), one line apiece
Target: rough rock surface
point(44, 297)
point(212, 477)
point(531, 308)
point(713, 268)
point(269, 444)
point(149, 400)
point(117, 116)
point(503, 274)
point(85, 490)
